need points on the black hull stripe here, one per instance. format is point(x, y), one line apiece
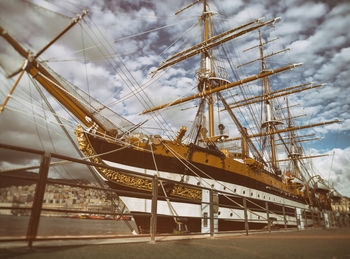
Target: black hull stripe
point(142, 159)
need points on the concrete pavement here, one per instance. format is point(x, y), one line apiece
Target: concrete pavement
point(311, 243)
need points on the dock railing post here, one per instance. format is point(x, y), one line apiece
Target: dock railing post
point(318, 218)
point(312, 216)
point(211, 212)
point(34, 219)
point(246, 225)
point(284, 216)
point(333, 219)
point(297, 220)
point(305, 214)
point(153, 225)
point(268, 217)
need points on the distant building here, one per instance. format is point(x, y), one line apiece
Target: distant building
point(57, 196)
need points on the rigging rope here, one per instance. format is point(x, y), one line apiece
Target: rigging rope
point(85, 62)
point(128, 78)
point(44, 127)
point(47, 121)
point(180, 158)
point(335, 144)
point(129, 36)
point(241, 88)
point(171, 208)
point(45, 9)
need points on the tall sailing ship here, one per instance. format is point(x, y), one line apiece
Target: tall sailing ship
point(206, 154)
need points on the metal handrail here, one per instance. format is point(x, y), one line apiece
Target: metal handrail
point(42, 180)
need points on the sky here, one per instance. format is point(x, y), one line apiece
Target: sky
point(136, 36)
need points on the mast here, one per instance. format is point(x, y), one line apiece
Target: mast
point(294, 152)
point(270, 121)
point(206, 66)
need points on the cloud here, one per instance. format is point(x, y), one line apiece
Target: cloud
point(313, 11)
point(335, 168)
point(336, 65)
point(316, 32)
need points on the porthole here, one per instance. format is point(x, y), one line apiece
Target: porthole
point(258, 195)
point(219, 212)
point(231, 214)
point(234, 190)
point(251, 194)
point(198, 183)
point(243, 192)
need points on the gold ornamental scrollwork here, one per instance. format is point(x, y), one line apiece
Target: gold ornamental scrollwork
point(127, 180)
point(185, 192)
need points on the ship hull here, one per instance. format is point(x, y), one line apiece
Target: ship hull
point(179, 169)
point(230, 214)
point(230, 217)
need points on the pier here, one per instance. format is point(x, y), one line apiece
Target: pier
point(310, 243)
